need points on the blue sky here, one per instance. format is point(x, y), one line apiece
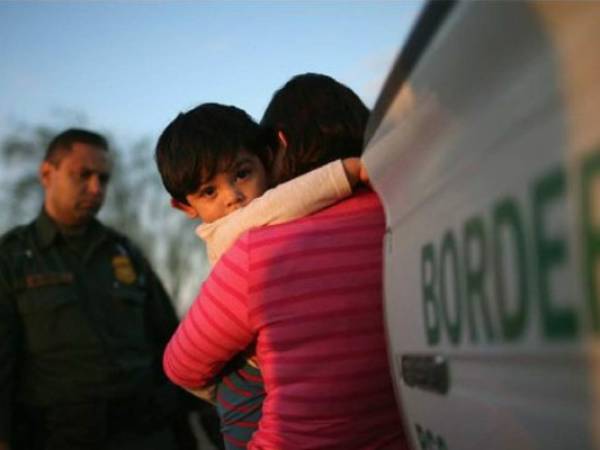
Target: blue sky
point(130, 67)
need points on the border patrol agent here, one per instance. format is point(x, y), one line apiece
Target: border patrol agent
point(83, 321)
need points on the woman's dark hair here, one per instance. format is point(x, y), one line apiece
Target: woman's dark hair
point(203, 141)
point(322, 120)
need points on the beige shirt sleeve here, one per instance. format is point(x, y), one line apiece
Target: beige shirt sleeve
point(291, 200)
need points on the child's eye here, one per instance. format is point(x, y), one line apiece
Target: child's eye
point(208, 191)
point(242, 174)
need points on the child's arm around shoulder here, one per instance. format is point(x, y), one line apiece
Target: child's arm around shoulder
point(291, 200)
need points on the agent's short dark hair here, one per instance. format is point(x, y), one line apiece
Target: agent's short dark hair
point(199, 143)
point(322, 119)
point(63, 143)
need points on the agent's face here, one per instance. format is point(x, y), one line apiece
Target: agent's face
point(227, 191)
point(76, 186)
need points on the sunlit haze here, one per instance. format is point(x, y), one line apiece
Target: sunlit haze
point(128, 67)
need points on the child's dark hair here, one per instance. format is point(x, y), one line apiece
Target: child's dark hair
point(203, 141)
point(322, 119)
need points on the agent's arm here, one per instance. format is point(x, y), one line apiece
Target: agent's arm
point(9, 336)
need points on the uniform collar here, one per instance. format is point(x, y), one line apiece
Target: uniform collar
point(47, 229)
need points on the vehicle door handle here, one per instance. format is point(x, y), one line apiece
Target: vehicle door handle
point(428, 372)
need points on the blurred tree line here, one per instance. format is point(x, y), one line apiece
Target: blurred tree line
point(136, 204)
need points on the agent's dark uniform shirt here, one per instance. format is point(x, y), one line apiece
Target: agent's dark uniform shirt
point(82, 320)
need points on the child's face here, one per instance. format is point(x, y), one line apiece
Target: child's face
point(227, 191)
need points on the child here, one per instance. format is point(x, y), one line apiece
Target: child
point(215, 162)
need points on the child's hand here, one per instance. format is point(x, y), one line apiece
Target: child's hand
point(363, 175)
point(355, 171)
point(207, 393)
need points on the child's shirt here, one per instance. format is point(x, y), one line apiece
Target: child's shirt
point(291, 200)
point(240, 389)
point(240, 396)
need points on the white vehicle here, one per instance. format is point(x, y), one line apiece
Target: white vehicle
point(485, 149)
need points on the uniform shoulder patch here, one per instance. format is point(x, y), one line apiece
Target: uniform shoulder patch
point(123, 269)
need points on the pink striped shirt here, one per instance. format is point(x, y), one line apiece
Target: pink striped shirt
point(310, 293)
